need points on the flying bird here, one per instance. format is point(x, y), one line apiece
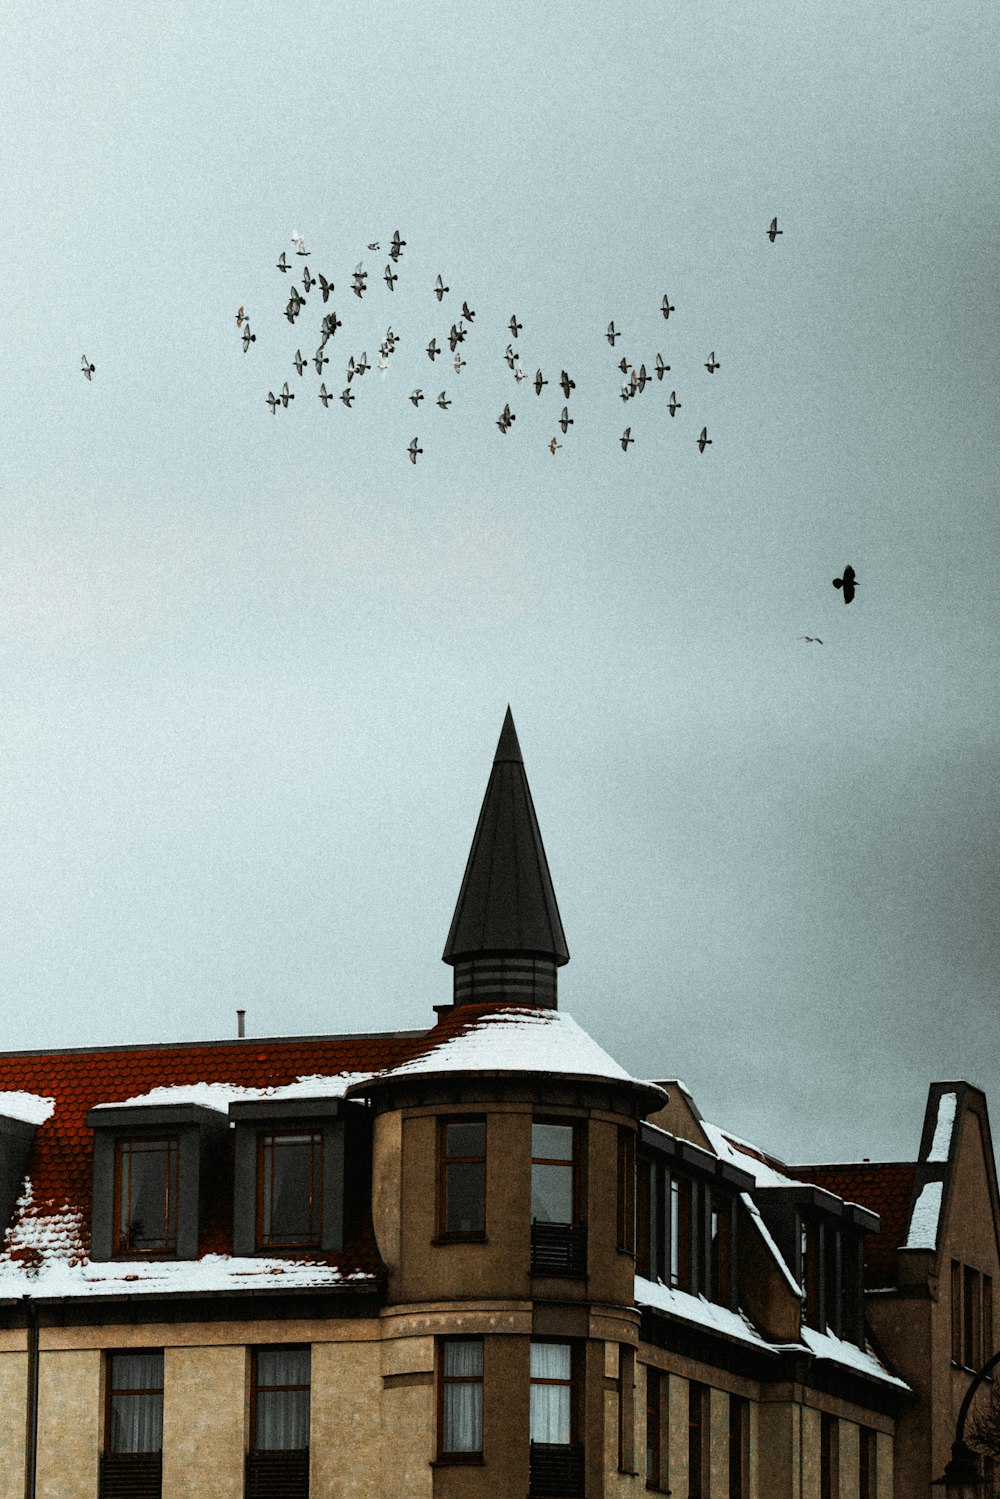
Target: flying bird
point(506, 420)
point(626, 438)
point(703, 441)
point(326, 396)
point(443, 401)
point(539, 382)
point(514, 326)
point(347, 396)
point(383, 364)
point(666, 306)
point(360, 368)
point(467, 312)
point(772, 234)
point(432, 349)
point(661, 368)
point(283, 262)
point(350, 369)
point(272, 401)
point(623, 365)
point(565, 420)
point(712, 365)
point(286, 395)
point(642, 379)
point(520, 373)
point(673, 405)
point(440, 288)
point(812, 639)
point(848, 583)
point(239, 318)
point(299, 242)
point(509, 357)
point(416, 396)
point(331, 323)
point(87, 369)
point(626, 392)
point(325, 286)
point(459, 364)
point(413, 450)
point(553, 445)
point(374, 246)
point(248, 337)
point(298, 361)
point(390, 278)
point(319, 359)
point(612, 335)
point(308, 281)
point(397, 245)
point(566, 383)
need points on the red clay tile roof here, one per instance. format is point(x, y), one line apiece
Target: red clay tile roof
point(59, 1164)
point(885, 1187)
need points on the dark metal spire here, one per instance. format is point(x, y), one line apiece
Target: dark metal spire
point(506, 938)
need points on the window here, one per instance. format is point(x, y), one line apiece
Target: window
point(697, 1440)
point(279, 1401)
point(680, 1232)
point(460, 1399)
point(553, 1174)
point(626, 1190)
point(720, 1239)
point(956, 1312)
point(867, 1463)
point(809, 1269)
point(655, 1383)
point(971, 1316)
point(626, 1408)
point(134, 1403)
point(462, 1183)
point(972, 1340)
point(289, 1195)
point(146, 1196)
point(829, 1471)
point(556, 1454)
point(739, 1448)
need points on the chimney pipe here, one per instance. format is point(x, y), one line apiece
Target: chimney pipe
point(240, 1026)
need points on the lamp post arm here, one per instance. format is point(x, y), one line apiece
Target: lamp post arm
point(970, 1395)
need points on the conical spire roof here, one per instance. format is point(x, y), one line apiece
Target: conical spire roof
point(507, 903)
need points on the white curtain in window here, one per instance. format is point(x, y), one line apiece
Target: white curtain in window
point(136, 1423)
point(550, 1403)
point(463, 1402)
point(282, 1423)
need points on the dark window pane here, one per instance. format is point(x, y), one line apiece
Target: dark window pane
point(147, 1196)
point(135, 1402)
point(282, 1366)
point(552, 1194)
point(466, 1139)
point(290, 1186)
point(465, 1184)
point(552, 1142)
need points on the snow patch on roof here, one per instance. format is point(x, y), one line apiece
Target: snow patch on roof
point(29, 1107)
point(696, 1309)
point(827, 1346)
point(212, 1273)
point(925, 1217)
point(517, 1040)
point(765, 1234)
point(729, 1147)
point(941, 1143)
point(219, 1096)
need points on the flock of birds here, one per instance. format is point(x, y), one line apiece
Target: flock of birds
point(633, 385)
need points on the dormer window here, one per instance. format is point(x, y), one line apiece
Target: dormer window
point(146, 1196)
point(289, 1190)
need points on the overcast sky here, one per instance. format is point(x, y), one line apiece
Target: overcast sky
point(254, 667)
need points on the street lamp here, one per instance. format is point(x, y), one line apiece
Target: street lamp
point(961, 1478)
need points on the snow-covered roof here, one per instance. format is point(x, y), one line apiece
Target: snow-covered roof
point(828, 1347)
point(764, 1169)
point(925, 1217)
point(941, 1143)
point(765, 1234)
point(695, 1309)
point(30, 1108)
point(219, 1096)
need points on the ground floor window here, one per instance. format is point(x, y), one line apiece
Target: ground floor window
point(460, 1397)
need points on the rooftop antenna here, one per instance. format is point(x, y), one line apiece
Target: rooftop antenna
point(241, 1016)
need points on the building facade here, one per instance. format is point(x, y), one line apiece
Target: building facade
point(471, 1262)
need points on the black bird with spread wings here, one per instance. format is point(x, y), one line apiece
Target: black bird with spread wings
point(514, 326)
point(298, 361)
point(468, 313)
point(283, 262)
point(390, 278)
point(612, 334)
point(566, 383)
point(396, 251)
point(248, 338)
point(773, 232)
point(440, 288)
point(413, 450)
point(308, 280)
point(325, 286)
point(540, 381)
point(86, 368)
point(443, 400)
point(703, 440)
point(673, 405)
point(712, 365)
point(566, 421)
point(848, 583)
point(626, 438)
point(326, 396)
point(432, 349)
point(666, 306)
point(661, 368)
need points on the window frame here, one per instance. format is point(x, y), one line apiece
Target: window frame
point(829, 1456)
point(574, 1382)
point(110, 1391)
point(867, 1462)
point(316, 1184)
point(627, 1191)
point(255, 1388)
point(458, 1458)
point(739, 1444)
point(699, 1432)
point(681, 1216)
point(575, 1163)
point(444, 1234)
point(656, 1384)
point(168, 1250)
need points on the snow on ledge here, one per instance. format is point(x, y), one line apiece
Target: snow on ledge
point(925, 1217)
point(827, 1346)
point(727, 1147)
point(219, 1096)
point(516, 1040)
point(696, 1309)
point(211, 1273)
point(941, 1144)
point(31, 1108)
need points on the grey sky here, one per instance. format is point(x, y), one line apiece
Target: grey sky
point(255, 668)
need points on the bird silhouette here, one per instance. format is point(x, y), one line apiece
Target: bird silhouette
point(459, 364)
point(283, 262)
point(299, 243)
point(539, 382)
point(86, 368)
point(397, 245)
point(350, 368)
point(673, 405)
point(308, 281)
point(565, 420)
point(347, 396)
point(432, 349)
point(506, 420)
point(812, 639)
point(272, 401)
point(443, 401)
point(325, 286)
point(286, 395)
point(467, 312)
point(520, 373)
point(326, 396)
point(848, 583)
point(514, 326)
point(642, 379)
point(566, 383)
point(319, 359)
point(661, 368)
point(612, 335)
point(553, 445)
point(362, 365)
point(666, 306)
point(510, 357)
point(331, 323)
point(239, 318)
point(416, 397)
point(623, 365)
point(248, 337)
point(373, 246)
point(703, 441)
point(390, 278)
point(773, 232)
point(626, 438)
point(298, 361)
point(440, 288)
point(413, 450)
point(712, 365)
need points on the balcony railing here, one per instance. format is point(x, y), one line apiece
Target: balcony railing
point(277, 1475)
point(556, 1471)
point(558, 1248)
point(131, 1475)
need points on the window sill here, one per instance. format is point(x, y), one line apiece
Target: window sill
point(460, 1239)
point(458, 1460)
